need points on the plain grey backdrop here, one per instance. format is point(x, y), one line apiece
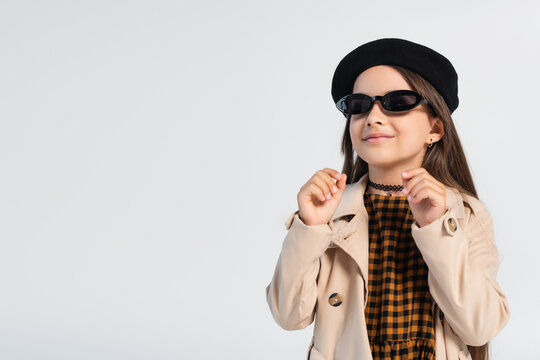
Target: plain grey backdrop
point(150, 152)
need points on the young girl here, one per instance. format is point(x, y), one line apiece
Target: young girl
point(396, 254)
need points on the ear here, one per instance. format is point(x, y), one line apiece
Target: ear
point(437, 129)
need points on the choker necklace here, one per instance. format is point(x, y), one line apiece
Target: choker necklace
point(385, 187)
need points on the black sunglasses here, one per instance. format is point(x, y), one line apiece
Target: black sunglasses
point(399, 100)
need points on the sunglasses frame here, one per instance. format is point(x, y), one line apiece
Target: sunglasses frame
point(342, 107)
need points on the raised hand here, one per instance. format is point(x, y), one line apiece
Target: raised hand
point(319, 198)
point(426, 195)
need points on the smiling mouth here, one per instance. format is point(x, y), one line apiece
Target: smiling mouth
point(378, 139)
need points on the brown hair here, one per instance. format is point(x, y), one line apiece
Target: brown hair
point(445, 160)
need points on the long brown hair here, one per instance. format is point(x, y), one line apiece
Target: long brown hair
point(445, 160)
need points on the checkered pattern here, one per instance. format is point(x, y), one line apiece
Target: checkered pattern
point(398, 313)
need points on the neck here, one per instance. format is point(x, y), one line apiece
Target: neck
point(385, 177)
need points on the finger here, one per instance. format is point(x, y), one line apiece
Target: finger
point(409, 186)
point(427, 191)
point(342, 183)
point(325, 183)
point(420, 195)
point(333, 173)
point(409, 173)
point(316, 190)
point(419, 185)
point(329, 177)
point(424, 193)
point(340, 178)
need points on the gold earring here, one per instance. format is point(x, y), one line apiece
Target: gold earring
point(430, 143)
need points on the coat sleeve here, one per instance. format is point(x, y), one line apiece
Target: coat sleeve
point(463, 265)
point(292, 292)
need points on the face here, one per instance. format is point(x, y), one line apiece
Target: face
point(409, 131)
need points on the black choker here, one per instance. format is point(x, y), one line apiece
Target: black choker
point(385, 187)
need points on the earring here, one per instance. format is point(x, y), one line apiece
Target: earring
point(431, 144)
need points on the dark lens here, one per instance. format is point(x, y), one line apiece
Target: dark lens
point(401, 102)
point(359, 104)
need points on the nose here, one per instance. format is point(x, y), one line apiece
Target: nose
point(375, 114)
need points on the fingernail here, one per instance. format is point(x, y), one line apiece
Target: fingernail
point(404, 173)
point(334, 188)
point(404, 190)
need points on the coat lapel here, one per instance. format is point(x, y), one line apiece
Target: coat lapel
point(353, 238)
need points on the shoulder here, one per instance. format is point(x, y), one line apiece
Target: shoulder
point(467, 208)
point(475, 210)
point(474, 204)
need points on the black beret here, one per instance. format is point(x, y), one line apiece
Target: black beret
point(426, 62)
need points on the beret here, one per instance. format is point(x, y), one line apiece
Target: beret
point(426, 62)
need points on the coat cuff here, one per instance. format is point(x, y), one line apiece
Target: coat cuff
point(309, 241)
point(445, 225)
point(295, 216)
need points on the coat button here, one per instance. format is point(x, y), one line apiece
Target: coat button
point(452, 224)
point(335, 299)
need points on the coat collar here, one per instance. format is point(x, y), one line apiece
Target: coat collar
point(353, 199)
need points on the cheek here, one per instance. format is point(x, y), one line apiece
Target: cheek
point(355, 132)
point(355, 129)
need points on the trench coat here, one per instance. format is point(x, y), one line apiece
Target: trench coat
point(317, 261)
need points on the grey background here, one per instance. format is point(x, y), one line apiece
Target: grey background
point(150, 152)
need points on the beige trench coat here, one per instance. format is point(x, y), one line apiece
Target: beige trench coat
point(317, 261)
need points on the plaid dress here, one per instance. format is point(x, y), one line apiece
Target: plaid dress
point(399, 317)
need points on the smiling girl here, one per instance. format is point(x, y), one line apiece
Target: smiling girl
point(395, 254)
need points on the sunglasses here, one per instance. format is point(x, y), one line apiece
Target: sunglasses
point(399, 100)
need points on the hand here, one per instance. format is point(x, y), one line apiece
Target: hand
point(317, 199)
point(426, 195)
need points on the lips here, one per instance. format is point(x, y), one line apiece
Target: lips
point(378, 139)
point(374, 136)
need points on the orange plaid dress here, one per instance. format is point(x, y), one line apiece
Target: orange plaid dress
point(399, 317)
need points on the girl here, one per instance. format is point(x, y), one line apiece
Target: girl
point(396, 254)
